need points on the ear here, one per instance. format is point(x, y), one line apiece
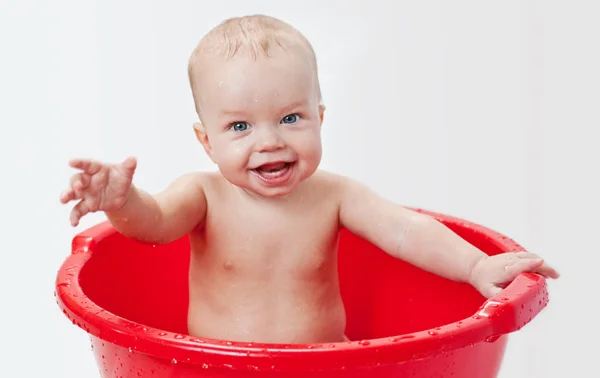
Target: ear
point(202, 137)
point(321, 112)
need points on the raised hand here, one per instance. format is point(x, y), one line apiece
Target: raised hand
point(491, 274)
point(98, 186)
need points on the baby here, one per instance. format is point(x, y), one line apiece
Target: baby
point(264, 228)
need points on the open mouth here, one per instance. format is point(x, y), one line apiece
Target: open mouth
point(274, 173)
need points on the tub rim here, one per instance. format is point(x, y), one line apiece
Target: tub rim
point(510, 310)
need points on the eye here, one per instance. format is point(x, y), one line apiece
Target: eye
point(239, 126)
point(290, 118)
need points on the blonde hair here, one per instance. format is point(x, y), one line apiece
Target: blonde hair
point(254, 36)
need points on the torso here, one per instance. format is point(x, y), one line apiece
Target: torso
point(265, 270)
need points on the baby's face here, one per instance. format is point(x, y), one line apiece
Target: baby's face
point(262, 121)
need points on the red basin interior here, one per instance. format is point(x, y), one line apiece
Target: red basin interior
point(383, 296)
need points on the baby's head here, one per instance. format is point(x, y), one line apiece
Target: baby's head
point(256, 90)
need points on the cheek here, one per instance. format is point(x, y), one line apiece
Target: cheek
point(231, 152)
point(308, 141)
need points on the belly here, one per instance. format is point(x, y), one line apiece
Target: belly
point(295, 300)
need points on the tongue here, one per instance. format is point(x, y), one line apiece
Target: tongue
point(272, 167)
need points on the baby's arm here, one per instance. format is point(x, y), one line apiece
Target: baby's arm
point(164, 217)
point(428, 244)
point(133, 212)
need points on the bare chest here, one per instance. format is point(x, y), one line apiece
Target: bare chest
point(248, 238)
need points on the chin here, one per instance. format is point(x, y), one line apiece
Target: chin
point(273, 193)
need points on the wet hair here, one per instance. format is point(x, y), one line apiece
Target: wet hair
point(254, 37)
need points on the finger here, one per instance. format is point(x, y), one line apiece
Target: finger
point(129, 165)
point(547, 271)
point(526, 255)
point(544, 269)
point(87, 165)
point(523, 265)
point(79, 182)
point(492, 291)
point(68, 195)
point(78, 211)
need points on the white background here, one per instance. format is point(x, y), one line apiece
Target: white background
point(487, 110)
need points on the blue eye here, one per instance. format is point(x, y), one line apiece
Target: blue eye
point(290, 118)
point(239, 126)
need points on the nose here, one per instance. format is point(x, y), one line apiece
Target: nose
point(269, 139)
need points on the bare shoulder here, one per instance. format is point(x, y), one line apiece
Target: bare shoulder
point(189, 187)
point(335, 185)
point(196, 180)
point(335, 181)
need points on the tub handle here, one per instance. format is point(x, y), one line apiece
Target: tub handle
point(516, 305)
point(86, 240)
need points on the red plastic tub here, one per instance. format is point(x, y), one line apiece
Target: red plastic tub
point(404, 322)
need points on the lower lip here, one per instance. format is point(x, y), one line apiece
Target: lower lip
point(282, 177)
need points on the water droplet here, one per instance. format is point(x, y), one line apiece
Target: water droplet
point(204, 366)
point(64, 284)
point(174, 361)
point(364, 343)
point(229, 343)
point(432, 333)
point(162, 334)
point(179, 336)
point(332, 345)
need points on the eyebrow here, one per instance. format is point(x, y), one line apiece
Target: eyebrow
point(293, 105)
point(231, 114)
